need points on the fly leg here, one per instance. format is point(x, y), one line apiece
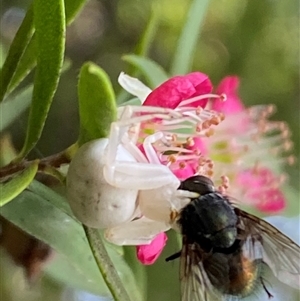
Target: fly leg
point(174, 256)
point(270, 296)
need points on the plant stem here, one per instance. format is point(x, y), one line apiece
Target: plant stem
point(53, 161)
point(105, 265)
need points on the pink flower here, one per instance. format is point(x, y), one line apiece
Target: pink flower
point(247, 146)
point(147, 254)
point(191, 90)
point(233, 104)
point(244, 147)
point(179, 88)
point(262, 187)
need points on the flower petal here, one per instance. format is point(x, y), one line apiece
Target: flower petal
point(198, 144)
point(184, 173)
point(233, 104)
point(147, 254)
point(261, 186)
point(273, 201)
point(134, 86)
point(170, 93)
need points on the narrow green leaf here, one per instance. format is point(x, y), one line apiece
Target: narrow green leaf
point(14, 186)
point(28, 60)
point(26, 64)
point(8, 152)
point(50, 195)
point(2, 55)
point(184, 53)
point(14, 107)
point(148, 35)
point(154, 73)
point(72, 8)
point(40, 218)
point(50, 38)
point(141, 49)
point(15, 52)
point(97, 106)
point(65, 272)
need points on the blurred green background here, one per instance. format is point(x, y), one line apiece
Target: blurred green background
point(258, 40)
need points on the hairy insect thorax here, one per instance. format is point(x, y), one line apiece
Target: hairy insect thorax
point(210, 221)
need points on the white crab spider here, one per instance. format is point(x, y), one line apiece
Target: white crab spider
point(108, 178)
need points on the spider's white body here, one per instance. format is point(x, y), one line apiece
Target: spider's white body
point(110, 181)
point(95, 202)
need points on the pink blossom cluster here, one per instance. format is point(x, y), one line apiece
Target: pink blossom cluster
point(244, 147)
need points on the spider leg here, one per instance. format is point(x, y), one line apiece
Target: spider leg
point(132, 170)
point(138, 232)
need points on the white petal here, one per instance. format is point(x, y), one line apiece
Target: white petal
point(138, 232)
point(134, 86)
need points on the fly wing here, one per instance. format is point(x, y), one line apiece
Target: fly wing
point(195, 283)
point(278, 251)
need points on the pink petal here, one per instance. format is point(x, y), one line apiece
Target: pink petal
point(248, 179)
point(199, 145)
point(233, 104)
point(184, 173)
point(262, 189)
point(170, 93)
point(147, 254)
point(273, 201)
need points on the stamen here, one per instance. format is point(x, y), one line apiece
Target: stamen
point(197, 98)
point(182, 165)
point(210, 132)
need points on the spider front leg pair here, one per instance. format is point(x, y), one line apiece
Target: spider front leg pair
point(106, 176)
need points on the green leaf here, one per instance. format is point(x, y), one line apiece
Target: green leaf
point(14, 186)
point(141, 49)
point(186, 46)
point(97, 106)
point(72, 8)
point(14, 107)
point(50, 195)
point(28, 60)
point(26, 64)
point(39, 217)
point(50, 38)
point(154, 73)
point(65, 272)
point(148, 35)
point(8, 152)
point(15, 51)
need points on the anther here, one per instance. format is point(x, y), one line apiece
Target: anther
point(215, 120)
point(190, 142)
point(206, 124)
point(172, 159)
point(209, 132)
point(182, 165)
point(198, 127)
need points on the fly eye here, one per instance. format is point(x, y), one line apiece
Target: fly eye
point(199, 184)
